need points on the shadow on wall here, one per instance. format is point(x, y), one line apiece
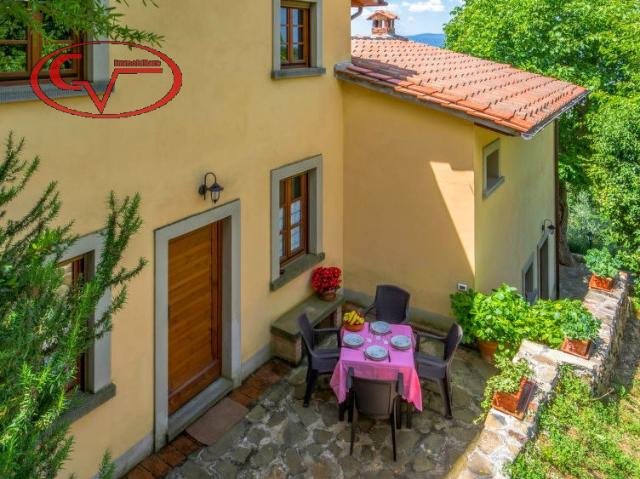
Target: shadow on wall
point(409, 201)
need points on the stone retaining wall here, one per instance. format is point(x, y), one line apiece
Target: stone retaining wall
point(503, 437)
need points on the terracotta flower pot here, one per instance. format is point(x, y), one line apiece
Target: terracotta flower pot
point(598, 282)
point(327, 295)
point(488, 350)
point(576, 347)
point(515, 404)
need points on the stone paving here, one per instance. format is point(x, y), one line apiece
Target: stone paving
point(574, 282)
point(279, 438)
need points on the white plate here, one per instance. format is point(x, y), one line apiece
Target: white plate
point(377, 353)
point(352, 340)
point(380, 327)
point(401, 342)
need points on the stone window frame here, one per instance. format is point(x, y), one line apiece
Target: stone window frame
point(97, 70)
point(315, 254)
point(487, 189)
point(99, 388)
point(316, 65)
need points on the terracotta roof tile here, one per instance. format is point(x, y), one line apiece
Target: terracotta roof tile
point(482, 89)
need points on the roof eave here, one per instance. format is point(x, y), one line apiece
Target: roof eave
point(503, 129)
point(339, 71)
point(547, 121)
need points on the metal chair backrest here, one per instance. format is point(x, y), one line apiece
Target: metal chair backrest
point(306, 331)
point(452, 341)
point(375, 398)
point(391, 304)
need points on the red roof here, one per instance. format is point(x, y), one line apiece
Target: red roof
point(486, 92)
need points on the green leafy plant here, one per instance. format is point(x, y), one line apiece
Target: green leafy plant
point(507, 380)
point(461, 306)
point(602, 263)
point(576, 321)
point(499, 316)
point(43, 326)
point(543, 323)
point(583, 437)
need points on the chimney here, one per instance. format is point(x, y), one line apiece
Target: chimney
point(384, 23)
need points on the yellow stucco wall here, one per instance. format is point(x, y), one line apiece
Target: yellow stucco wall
point(409, 200)
point(508, 223)
point(415, 215)
point(230, 118)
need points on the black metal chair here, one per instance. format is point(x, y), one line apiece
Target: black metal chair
point(436, 369)
point(391, 304)
point(375, 399)
point(321, 361)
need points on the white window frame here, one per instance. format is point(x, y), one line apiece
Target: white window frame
point(487, 189)
point(313, 167)
point(316, 65)
point(99, 354)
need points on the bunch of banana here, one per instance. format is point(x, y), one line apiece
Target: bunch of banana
point(353, 318)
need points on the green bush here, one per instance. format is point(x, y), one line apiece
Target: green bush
point(505, 317)
point(584, 220)
point(507, 381)
point(499, 317)
point(583, 437)
point(549, 322)
point(461, 306)
point(543, 323)
point(602, 263)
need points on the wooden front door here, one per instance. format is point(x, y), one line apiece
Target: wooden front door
point(194, 313)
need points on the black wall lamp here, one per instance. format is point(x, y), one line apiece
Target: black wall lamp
point(548, 225)
point(215, 189)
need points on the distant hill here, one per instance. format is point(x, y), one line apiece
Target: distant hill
point(433, 39)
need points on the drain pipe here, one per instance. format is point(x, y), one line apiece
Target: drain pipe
point(358, 13)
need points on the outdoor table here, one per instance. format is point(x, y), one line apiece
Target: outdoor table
point(387, 370)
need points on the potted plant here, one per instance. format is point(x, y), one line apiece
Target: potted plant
point(510, 391)
point(461, 306)
point(497, 321)
point(325, 281)
point(604, 267)
point(579, 327)
point(353, 321)
point(543, 323)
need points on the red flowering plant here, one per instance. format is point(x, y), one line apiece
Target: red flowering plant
point(326, 279)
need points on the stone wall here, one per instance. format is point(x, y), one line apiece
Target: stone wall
point(503, 436)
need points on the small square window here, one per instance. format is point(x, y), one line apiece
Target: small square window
point(491, 165)
point(297, 38)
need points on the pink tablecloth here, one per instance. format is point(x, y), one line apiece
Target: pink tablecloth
point(401, 362)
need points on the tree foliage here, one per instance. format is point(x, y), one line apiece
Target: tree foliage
point(89, 17)
point(43, 326)
point(596, 44)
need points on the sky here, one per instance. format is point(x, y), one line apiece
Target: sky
point(416, 16)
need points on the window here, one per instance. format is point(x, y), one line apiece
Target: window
point(296, 219)
point(491, 166)
point(94, 367)
point(21, 49)
point(293, 218)
point(295, 36)
point(76, 270)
